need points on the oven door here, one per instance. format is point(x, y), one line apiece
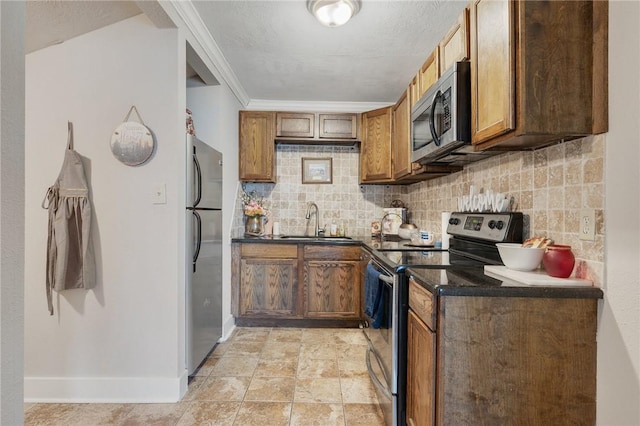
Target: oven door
point(383, 343)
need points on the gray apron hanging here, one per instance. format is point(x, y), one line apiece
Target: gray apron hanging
point(70, 261)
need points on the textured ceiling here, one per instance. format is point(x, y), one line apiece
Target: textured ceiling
point(55, 21)
point(278, 51)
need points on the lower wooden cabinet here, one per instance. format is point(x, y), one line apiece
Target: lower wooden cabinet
point(420, 372)
point(268, 280)
point(486, 360)
point(284, 282)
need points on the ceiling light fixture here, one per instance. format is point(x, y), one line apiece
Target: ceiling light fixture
point(333, 13)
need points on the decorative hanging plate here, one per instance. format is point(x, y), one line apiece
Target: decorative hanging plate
point(132, 142)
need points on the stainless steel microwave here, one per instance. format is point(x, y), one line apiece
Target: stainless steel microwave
point(441, 119)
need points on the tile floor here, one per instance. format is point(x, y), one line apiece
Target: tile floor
point(260, 376)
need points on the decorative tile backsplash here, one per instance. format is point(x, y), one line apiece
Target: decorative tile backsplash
point(343, 201)
point(550, 186)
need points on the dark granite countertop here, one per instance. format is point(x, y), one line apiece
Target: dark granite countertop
point(474, 282)
point(468, 281)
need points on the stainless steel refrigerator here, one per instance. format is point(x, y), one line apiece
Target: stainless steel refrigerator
point(204, 251)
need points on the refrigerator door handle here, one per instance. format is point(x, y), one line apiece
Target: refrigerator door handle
point(198, 236)
point(198, 178)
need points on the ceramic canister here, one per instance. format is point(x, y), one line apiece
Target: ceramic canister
point(558, 261)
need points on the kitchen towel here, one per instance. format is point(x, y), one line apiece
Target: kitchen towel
point(372, 290)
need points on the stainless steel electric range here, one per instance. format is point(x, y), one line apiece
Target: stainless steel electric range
point(472, 245)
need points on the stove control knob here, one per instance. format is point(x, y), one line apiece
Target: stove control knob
point(500, 224)
point(454, 221)
point(492, 224)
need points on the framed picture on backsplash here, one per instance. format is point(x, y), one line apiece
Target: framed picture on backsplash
point(317, 170)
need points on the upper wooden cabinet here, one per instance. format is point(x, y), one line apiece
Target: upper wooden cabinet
point(414, 90)
point(455, 45)
point(401, 135)
point(536, 72)
point(375, 151)
point(429, 72)
point(295, 124)
point(337, 126)
point(257, 162)
point(317, 128)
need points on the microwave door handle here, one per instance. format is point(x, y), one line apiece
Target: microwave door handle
point(432, 119)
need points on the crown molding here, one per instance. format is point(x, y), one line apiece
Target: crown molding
point(202, 41)
point(324, 106)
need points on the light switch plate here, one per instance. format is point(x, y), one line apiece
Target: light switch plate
point(159, 194)
point(587, 224)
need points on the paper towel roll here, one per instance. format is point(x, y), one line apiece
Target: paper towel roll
point(276, 228)
point(444, 223)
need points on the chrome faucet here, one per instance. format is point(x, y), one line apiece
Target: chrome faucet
point(317, 229)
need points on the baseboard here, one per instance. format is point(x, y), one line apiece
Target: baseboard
point(227, 328)
point(105, 389)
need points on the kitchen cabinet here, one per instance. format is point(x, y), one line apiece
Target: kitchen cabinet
point(268, 280)
point(375, 151)
point(490, 360)
point(257, 152)
point(295, 124)
point(317, 128)
point(332, 281)
point(414, 90)
point(337, 126)
point(401, 136)
point(454, 47)
point(420, 372)
point(537, 72)
point(429, 72)
point(276, 284)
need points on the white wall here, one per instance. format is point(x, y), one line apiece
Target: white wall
point(12, 20)
point(123, 340)
point(619, 327)
point(215, 114)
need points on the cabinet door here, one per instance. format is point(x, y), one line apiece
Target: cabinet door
point(257, 158)
point(401, 137)
point(295, 125)
point(337, 126)
point(430, 72)
point(375, 155)
point(414, 89)
point(492, 69)
point(455, 45)
point(332, 289)
point(268, 287)
point(420, 373)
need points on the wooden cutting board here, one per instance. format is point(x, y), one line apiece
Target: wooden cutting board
point(538, 277)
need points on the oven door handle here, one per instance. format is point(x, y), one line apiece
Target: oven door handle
point(373, 376)
point(383, 276)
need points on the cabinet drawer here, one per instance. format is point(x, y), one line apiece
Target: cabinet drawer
point(269, 251)
point(331, 252)
point(421, 302)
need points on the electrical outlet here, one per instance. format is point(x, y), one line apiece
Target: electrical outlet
point(587, 224)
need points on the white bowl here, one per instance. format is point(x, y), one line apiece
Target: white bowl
point(519, 258)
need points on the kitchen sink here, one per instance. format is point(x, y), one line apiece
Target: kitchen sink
point(313, 237)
